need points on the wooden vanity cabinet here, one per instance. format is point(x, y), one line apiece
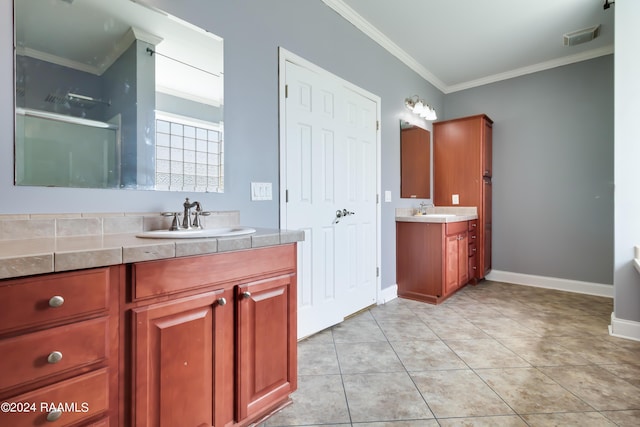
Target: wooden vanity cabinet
point(462, 165)
point(213, 338)
point(58, 338)
point(432, 259)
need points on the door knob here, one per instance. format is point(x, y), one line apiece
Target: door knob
point(342, 213)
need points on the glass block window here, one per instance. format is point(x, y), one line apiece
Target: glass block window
point(189, 154)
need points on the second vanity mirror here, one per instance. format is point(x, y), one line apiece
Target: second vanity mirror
point(116, 94)
point(415, 162)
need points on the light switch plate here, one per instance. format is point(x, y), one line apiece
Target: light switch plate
point(387, 196)
point(455, 199)
point(261, 191)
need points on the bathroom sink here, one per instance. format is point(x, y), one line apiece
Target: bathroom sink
point(438, 215)
point(196, 234)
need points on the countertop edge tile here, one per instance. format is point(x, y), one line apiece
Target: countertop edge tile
point(27, 265)
point(76, 260)
point(26, 257)
point(442, 220)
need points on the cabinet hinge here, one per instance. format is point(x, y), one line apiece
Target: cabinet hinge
point(286, 91)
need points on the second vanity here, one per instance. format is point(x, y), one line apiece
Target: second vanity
point(103, 328)
point(435, 252)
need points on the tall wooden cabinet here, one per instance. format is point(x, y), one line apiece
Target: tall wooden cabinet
point(462, 151)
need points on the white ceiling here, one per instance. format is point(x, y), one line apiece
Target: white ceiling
point(458, 44)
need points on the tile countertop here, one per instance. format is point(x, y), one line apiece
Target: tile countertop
point(57, 251)
point(462, 213)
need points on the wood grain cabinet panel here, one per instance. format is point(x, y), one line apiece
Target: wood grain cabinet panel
point(50, 299)
point(462, 165)
point(266, 347)
point(432, 259)
point(174, 355)
point(79, 398)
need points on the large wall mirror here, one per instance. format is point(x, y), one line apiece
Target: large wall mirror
point(415, 162)
point(116, 94)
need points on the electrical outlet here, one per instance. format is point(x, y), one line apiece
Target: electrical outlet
point(455, 199)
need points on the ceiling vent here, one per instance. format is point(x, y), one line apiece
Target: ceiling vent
point(581, 36)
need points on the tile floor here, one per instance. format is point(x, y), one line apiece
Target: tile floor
point(492, 355)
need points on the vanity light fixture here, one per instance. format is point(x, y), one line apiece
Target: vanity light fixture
point(421, 108)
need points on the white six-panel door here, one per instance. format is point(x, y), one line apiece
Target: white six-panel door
point(329, 183)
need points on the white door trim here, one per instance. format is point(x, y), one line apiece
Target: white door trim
point(283, 56)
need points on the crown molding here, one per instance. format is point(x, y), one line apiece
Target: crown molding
point(546, 65)
point(367, 28)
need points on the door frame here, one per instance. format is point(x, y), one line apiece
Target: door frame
point(287, 56)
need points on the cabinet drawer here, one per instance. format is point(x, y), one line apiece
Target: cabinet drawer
point(472, 249)
point(32, 302)
point(35, 356)
point(154, 278)
point(455, 227)
point(473, 225)
point(80, 398)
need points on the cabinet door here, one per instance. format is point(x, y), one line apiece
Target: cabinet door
point(266, 346)
point(452, 263)
point(175, 345)
point(457, 262)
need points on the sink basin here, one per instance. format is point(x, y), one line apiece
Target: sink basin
point(438, 215)
point(197, 234)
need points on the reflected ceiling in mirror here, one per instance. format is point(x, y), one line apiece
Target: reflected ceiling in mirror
point(115, 94)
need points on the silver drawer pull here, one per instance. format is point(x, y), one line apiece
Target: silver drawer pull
point(53, 416)
point(222, 301)
point(56, 301)
point(246, 294)
point(54, 357)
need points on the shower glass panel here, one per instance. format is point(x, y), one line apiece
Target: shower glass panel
point(61, 151)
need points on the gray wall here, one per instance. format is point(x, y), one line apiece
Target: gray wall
point(627, 154)
point(252, 32)
point(552, 169)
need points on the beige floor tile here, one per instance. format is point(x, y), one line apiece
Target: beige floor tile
point(319, 399)
point(486, 353)
point(582, 419)
point(628, 372)
point(317, 359)
point(597, 386)
point(528, 391)
point(403, 330)
point(459, 393)
point(542, 351)
point(503, 327)
point(426, 356)
point(461, 329)
point(624, 418)
point(499, 421)
point(599, 351)
point(367, 357)
point(358, 329)
point(384, 397)
point(412, 423)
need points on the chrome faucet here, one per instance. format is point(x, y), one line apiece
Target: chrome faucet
point(186, 220)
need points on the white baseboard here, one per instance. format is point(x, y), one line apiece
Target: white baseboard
point(622, 328)
point(387, 294)
point(588, 288)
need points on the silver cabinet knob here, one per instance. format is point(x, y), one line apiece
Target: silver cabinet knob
point(54, 415)
point(54, 357)
point(56, 301)
point(222, 301)
point(246, 294)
